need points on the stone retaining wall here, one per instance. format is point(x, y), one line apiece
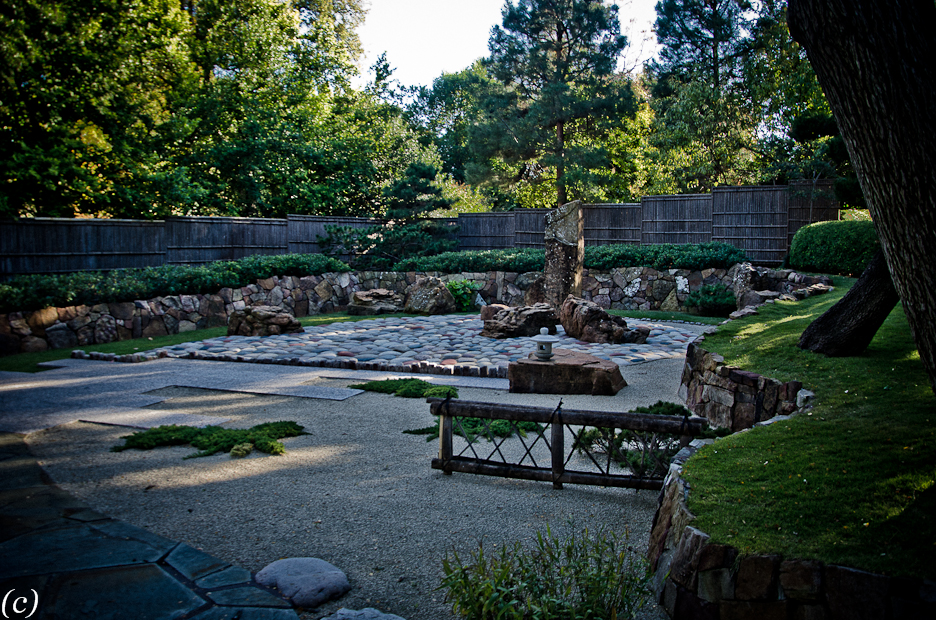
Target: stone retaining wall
point(732, 398)
point(635, 288)
point(697, 579)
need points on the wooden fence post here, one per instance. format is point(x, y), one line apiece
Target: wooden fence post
point(557, 443)
point(445, 443)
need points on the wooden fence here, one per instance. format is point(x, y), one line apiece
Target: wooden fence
point(759, 220)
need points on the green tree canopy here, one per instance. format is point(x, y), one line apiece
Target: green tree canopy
point(553, 84)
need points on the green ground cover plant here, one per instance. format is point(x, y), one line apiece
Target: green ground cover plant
point(585, 575)
point(213, 439)
point(852, 481)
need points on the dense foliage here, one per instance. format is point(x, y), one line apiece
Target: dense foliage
point(34, 292)
point(843, 247)
point(145, 109)
point(513, 259)
point(584, 575)
point(712, 300)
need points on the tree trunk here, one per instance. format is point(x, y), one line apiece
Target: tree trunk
point(847, 328)
point(561, 197)
point(876, 62)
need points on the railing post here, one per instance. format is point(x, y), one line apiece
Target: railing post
point(557, 444)
point(445, 443)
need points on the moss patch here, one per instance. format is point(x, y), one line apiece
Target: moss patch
point(213, 439)
point(407, 388)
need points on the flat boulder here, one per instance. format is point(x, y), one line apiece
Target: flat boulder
point(568, 372)
point(375, 301)
point(588, 322)
point(306, 582)
point(262, 321)
point(429, 295)
point(511, 322)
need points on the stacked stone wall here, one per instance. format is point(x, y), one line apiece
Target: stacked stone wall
point(732, 398)
point(633, 288)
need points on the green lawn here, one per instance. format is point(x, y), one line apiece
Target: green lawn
point(850, 483)
point(658, 315)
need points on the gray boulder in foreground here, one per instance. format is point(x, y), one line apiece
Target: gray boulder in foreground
point(306, 582)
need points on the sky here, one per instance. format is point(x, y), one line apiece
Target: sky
point(423, 38)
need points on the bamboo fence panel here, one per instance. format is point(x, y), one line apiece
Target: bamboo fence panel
point(304, 230)
point(754, 219)
point(681, 219)
point(530, 228)
point(612, 223)
point(196, 240)
point(56, 245)
point(810, 202)
point(486, 231)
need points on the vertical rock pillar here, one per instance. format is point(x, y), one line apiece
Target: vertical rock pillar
point(565, 251)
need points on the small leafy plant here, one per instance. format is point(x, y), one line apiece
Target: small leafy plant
point(587, 575)
point(213, 439)
point(464, 293)
point(712, 300)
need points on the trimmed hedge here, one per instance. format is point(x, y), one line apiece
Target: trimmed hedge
point(517, 260)
point(843, 247)
point(34, 292)
point(711, 255)
point(667, 256)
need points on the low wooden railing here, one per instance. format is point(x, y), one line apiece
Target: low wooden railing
point(558, 421)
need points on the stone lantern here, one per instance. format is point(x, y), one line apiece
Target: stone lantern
point(544, 343)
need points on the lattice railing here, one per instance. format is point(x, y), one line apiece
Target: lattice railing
point(556, 436)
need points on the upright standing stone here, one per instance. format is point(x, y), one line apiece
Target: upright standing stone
point(565, 250)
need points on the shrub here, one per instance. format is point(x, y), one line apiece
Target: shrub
point(712, 300)
point(843, 247)
point(33, 292)
point(590, 575)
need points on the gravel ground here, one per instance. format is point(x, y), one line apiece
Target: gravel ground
point(356, 491)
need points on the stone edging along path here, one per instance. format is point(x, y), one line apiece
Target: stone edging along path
point(698, 579)
point(632, 288)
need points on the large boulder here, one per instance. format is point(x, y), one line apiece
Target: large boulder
point(429, 295)
point(262, 321)
point(568, 372)
point(511, 322)
point(375, 301)
point(588, 322)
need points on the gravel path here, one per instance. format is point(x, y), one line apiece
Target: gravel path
point(356, 491)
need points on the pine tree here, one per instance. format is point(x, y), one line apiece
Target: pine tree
point(553, 85)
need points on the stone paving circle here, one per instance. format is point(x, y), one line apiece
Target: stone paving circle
point(444, 344)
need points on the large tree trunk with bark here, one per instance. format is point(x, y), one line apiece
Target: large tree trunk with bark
point(847, 328)
point(876, 62)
